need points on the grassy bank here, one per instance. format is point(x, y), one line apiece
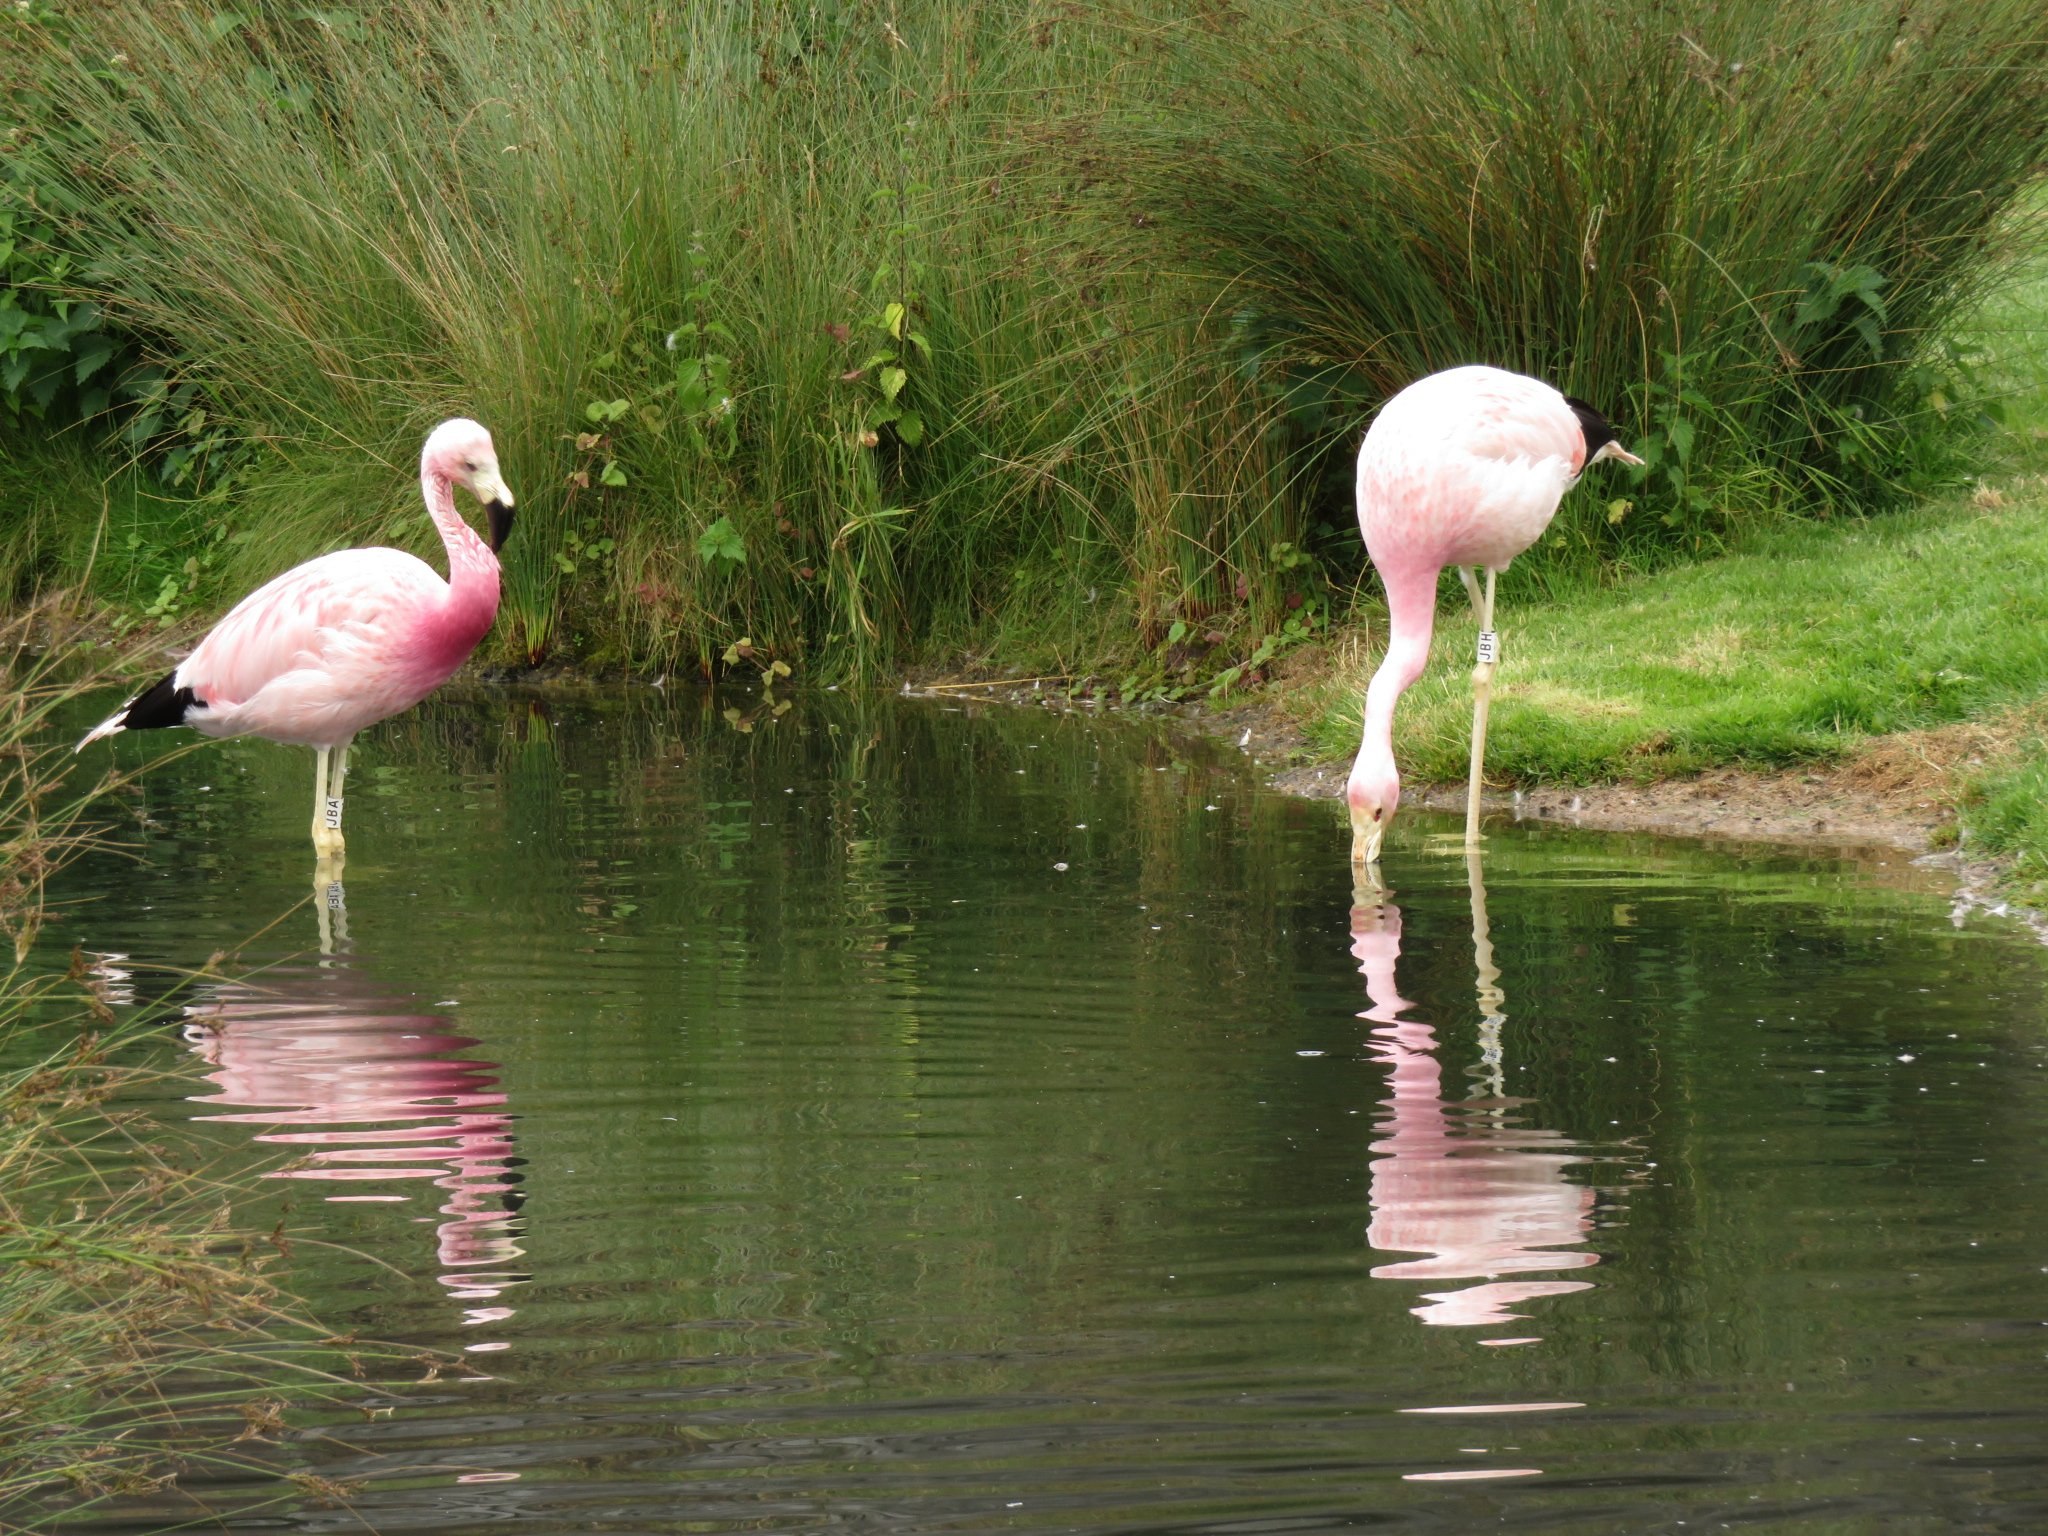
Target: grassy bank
point(1789, 651)
point(873, 332)
point(1802, 644)
point(143, 1332)
point(1805, 647)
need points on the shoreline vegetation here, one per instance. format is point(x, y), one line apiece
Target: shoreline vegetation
point(145, 1332)
point(887, 337)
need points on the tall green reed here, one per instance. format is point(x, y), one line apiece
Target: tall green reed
point(859, 329)
point(757, 300)
point(1746, 229)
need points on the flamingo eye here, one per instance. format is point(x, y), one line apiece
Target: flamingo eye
point(469, 465)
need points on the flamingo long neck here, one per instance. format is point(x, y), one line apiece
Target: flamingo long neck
point(1411, 618)
point(472, 577)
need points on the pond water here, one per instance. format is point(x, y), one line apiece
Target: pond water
point(882, 1114)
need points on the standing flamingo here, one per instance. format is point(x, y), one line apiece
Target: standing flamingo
point(341, 642)
point(1464, 468)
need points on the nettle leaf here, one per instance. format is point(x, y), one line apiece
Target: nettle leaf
point(721, 541)
point(611, 474)
point(892, 381)
point(1680, 433)
point(892, 319)
point(910, 428)
point(89, 357)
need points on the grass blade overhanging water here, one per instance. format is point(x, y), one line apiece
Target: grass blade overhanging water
point(144, 1334)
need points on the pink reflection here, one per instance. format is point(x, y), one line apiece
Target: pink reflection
point(1460, 1183)
point(381, 1102)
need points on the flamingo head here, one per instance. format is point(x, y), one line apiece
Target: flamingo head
point(461, 452)
point(1372, 796)
point(1601, 442)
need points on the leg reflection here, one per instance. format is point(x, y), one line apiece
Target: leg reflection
point(1460, 1183)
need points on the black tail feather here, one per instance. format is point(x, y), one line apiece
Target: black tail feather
point(166, 704)
point(1599, 432)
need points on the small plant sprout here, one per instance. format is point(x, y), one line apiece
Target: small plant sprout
point(721, 544)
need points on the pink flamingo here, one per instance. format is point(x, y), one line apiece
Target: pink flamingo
point(341, 642)
point(1464, 468)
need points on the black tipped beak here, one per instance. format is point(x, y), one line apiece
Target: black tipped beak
point(499, 515)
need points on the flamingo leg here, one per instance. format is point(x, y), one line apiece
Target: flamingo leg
point(1471, 586)
point(319, 796)
point(327, 843)
point(1482, 696)
point(334, 788)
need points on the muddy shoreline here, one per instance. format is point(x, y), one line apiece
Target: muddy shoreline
point(1895, 795)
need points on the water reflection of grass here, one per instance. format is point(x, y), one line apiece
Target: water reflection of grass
point(142, 1331)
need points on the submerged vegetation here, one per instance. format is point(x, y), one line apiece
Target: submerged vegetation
point(839, 335)
point(143, 1332)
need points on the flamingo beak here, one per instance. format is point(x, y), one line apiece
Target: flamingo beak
point(499, 515)
point(1367, 831)
point(490, 486)
point(496, 496)
point(1619, 454)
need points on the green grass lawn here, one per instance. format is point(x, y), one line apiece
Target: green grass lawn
point(1792, 650)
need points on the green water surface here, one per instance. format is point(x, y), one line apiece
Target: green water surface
point(883, 1115)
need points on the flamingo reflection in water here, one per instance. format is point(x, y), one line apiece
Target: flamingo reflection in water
point(322, 1059)
point(1461, 1182)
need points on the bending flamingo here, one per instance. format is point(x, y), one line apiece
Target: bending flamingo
point(1464, 468)
point(346, 640)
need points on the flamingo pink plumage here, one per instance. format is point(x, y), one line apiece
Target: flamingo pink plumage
point(1464, 468)
point(343, 641)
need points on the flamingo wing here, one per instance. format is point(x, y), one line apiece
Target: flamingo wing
point(1466, 467)
point(340, 613)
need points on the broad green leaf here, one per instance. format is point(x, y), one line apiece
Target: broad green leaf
point(721, 541)
point(1680, 433)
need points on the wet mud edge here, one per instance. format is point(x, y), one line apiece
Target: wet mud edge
point(1895, 795)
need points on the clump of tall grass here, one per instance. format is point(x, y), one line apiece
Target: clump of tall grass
point(1746, 229)
point(754, 298)
point(141, 1330)
point(853, 330)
